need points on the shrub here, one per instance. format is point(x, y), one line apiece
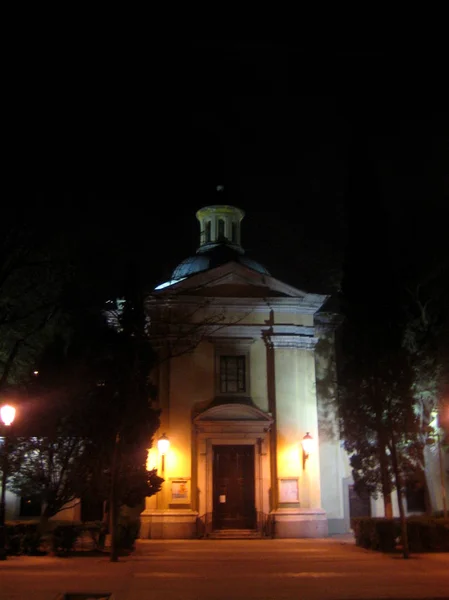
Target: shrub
point(375, 534)
point(23, 538)
point(128, 532)
point(63, 538)
point(32, 539)
point(97, 531)
point(425, 534)
point(13, 540)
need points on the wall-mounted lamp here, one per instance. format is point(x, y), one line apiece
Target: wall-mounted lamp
point(163, 445)
point(307, 447)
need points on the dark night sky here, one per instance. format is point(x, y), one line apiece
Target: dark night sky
point(308, 144)
point(298, 139)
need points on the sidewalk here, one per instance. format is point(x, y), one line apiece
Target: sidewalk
point(344, 538)
point(323, 569)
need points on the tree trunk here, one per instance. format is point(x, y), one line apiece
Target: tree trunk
point(427, 499)
point(113, 501)
point(386, 483)
point(398, 480)
point(383, 463)
point(114, 529)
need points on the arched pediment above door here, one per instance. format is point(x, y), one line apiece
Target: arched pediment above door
point(233, 417)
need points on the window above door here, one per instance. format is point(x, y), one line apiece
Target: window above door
point(232, 364)
point(232, 374)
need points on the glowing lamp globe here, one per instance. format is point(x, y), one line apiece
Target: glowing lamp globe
point(163, 444)
point(307, 444)
point(7, 414)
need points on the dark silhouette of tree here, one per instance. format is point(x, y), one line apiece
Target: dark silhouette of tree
point(32, 274)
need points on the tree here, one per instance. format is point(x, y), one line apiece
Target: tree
point(86, 395)
point(125, 393)
point(31, 280)
point(50, 468)
point(378, 422)
point(426, 339)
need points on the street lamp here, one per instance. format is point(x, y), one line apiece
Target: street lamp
point(163, 445)
point(307, 448)
point(436, 415)
point(7, 414)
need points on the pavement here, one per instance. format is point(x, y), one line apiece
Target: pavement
point(304, 569)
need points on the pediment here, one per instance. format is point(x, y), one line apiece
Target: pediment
point(244, 282)
point(234, 412)
point(235, 278)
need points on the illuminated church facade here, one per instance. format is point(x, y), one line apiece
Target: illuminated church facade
point(248, 444)
point(239, 393)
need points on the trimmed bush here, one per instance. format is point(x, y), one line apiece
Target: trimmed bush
point(23, 538)
point(375, 533)
point(97, 532)
point(128, 532)
point(59, 537)
point(32, 540)
point(63, 538)
point(425, 534)
point(13, 540)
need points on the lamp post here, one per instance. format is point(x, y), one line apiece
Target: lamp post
point(436, 424)
point(7, 414)
point(163, 445)
point(307, 447)
point(440, 459)
point(443, 486)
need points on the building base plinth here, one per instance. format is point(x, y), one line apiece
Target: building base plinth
point(300, 523)
point(169, 524)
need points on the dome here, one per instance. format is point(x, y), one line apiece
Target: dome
point(219, 243)
point(216, 256)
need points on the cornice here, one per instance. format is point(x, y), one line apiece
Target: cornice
point(307, 304)
point(243, 334)
point(291, 341)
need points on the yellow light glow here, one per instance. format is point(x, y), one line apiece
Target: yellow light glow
point(152, 459)
point(7, 414)
point(163, 444)
point(288, 461)
point(308, 444)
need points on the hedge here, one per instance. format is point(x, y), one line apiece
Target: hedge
point(425, 534)
point(60, 539)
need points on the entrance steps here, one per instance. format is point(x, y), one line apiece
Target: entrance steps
point(235, 534)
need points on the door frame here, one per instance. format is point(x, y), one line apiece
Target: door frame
point(253, 457)
point(236, 441)
point(231, 425)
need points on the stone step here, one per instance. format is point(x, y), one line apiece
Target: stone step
point(235, 534)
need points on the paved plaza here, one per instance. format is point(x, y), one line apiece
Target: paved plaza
point(232, 570)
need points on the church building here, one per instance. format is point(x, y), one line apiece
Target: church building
point(249, 443)
point(241, 447)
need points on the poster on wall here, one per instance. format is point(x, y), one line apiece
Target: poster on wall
point(180, 491)
point(288, 490)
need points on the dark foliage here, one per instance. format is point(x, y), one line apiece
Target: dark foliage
point(425, 534)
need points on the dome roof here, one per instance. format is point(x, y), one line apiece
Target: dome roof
point(219, 243)
point(215, 256)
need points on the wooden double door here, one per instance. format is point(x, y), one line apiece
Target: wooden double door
point(234, 487)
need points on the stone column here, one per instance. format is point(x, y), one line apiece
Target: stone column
point(296, 414)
